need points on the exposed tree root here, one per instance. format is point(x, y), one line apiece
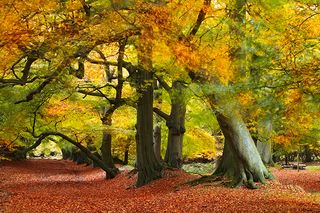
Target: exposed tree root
point(146, 177)
point(242, 179)
point(213, 180)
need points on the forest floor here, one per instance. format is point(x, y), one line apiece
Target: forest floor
point(62, 186)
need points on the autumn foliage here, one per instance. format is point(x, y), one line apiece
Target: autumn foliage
point(217, 78)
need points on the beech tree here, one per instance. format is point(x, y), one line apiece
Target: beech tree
point(175, 121)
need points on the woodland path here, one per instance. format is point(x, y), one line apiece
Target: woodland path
point(62, 186)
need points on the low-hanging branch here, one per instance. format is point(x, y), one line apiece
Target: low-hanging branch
point(30, 96)
point(25, 73)
point(109, 171)
point(116, 101)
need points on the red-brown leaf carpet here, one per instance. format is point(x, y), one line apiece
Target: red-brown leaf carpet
point(62, 186)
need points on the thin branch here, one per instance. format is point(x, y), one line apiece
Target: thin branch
point(14, 64)
point(96, 94)
point(106, 63)
point(45, 82)
point(102, 56)
point(8, 145)
point(305, 20)
point(163, 83)
point(12, 82)
point(36, 91)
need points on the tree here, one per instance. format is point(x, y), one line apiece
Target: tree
point(264, 142)
point(175, 122)
point(149, 168)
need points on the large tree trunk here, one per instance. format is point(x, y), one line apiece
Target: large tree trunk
point(308, 154)
point(265, 151)
point(240, 160)
point(105, 148)
point(264, 142)
point(176, 125)
point(149, 168)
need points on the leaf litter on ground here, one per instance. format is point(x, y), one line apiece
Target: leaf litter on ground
point(62, 186)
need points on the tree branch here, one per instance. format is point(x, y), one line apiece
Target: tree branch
point(161, 113)
point(86, 8)
point(36, 91)
point(26, 69)
point(201, 17)
point(106, 63)
point(163, 83)
point(109, 171)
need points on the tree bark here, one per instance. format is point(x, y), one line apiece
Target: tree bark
point(265, 151)
point(308, 154)
point(66, 154)
point(240, 160)
point(264, 145)
point(175, 122)
point(82, 158)
point(106, 149)
point(149, 168)
point(106, 155)
point(157, 127)
point(157, 141)
point(97, 155)
point(126, 157)
point(176, 125)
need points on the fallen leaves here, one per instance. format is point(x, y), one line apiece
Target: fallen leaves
point(62, 186)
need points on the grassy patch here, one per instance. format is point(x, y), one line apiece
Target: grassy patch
point(313, 168)
point(199, 168)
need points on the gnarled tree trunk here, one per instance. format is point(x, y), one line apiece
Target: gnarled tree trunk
point(240, 160)
point(105, 148)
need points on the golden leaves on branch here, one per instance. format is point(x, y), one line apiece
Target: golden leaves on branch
point(296, 121)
